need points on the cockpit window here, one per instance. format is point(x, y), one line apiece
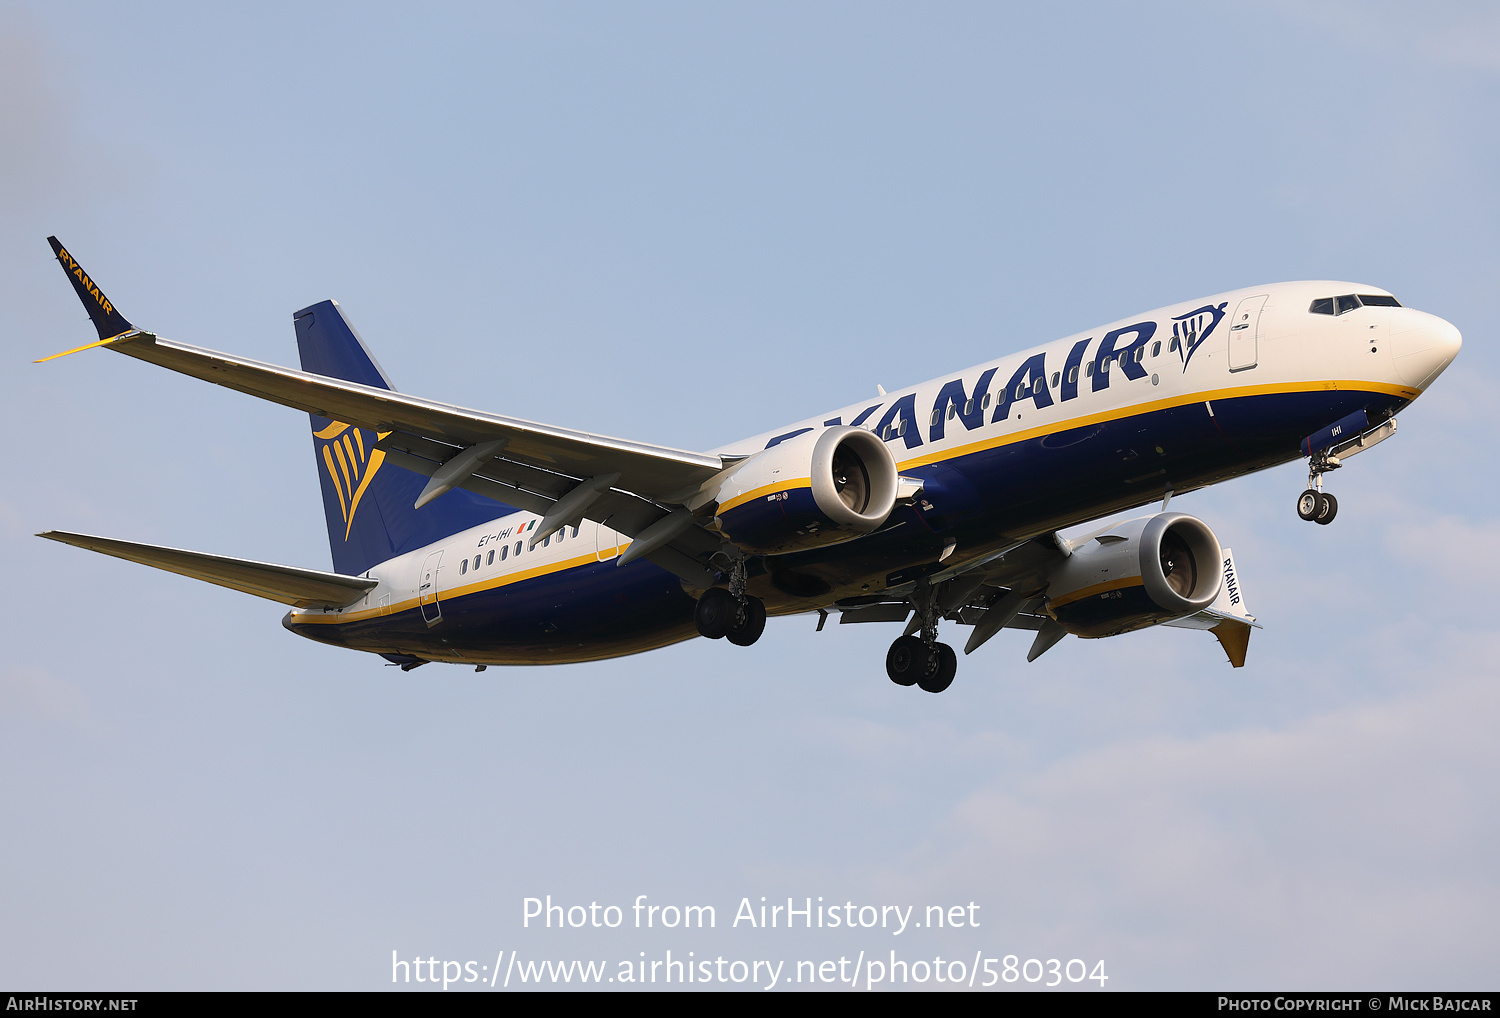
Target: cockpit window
point(1349, 301)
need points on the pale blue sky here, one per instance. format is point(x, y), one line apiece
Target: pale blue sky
point(685, 224)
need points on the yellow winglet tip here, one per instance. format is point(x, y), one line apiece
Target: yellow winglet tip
point(90, 346)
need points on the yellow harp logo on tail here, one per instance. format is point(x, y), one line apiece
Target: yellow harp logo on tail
point(351, 462)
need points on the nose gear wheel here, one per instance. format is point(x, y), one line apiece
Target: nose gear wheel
point(1315, 505)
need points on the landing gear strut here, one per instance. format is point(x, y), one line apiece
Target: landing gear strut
point(731, 613)
point(1315, 505)
point(921, 660)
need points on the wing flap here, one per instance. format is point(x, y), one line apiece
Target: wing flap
point(302, 588)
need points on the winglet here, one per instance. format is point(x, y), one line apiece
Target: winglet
point(110, 323)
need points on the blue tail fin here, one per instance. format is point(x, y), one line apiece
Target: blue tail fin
point(368, 502)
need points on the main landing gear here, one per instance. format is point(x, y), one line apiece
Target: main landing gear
point(911, 662)
point(920, 660)
point(732, 613)
point(1315, 505)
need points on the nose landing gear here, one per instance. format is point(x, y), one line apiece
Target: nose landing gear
point(1315, 505)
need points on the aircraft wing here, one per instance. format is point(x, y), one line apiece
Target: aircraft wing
point(654, 472)
point(302, 588)
point(1002, 592)
point(557, 472)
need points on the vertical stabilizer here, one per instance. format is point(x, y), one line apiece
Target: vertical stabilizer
point(366, 501)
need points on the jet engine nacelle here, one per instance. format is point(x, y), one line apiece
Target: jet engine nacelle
point(820, 488)
point(1137, 574)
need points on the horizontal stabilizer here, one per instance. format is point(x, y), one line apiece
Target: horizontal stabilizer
point(302, 588)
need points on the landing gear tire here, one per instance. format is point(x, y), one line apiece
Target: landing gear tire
point(947, 667)
point(716, 613)
point(1328, 510)
point(749, 622)
point(911, 662)
point(1308, 504)
point(906, 661)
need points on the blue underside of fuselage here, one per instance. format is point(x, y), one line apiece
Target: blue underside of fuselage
point(580, 614)
point(980, 501)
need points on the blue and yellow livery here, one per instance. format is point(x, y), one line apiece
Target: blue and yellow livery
point(476, 538)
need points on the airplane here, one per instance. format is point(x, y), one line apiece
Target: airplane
point(476, 539)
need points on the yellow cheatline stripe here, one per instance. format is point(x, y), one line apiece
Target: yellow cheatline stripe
point(502, 580)
point(87, 346)
point(769, 489)
point(1098, 588)
point(1405, 392)
point(333, 430)
point(333, 474)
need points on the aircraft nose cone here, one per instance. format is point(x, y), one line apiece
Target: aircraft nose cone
point(1422, 345)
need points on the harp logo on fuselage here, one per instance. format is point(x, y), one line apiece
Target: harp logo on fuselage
point(1190, 330)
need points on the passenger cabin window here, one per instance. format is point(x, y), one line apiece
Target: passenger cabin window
point(518, 547)
point(463, 567)
point(476, 561)
point(1056, 377)
point(490, 560)
point(1156, 348)
point(504, 553)
point(1172, 346)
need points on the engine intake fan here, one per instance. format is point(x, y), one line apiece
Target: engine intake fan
point(1139, 573)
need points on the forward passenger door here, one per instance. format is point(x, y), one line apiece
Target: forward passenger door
point(1244, 333)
